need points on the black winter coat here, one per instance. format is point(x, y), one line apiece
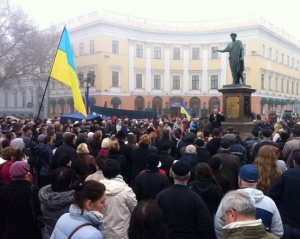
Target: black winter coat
point(203, 155)
point(16, 219)
point(69, 149)
point(166, 140)
point(166, 162)
point(222, 180)
point(213, 145)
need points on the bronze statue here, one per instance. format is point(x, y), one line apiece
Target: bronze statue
point(236, 59)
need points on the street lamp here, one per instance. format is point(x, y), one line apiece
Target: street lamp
point(90, 80)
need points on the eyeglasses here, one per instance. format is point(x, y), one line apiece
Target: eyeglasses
point(223, 216)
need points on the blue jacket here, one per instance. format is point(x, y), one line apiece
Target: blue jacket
point(68, 222)
point(286, 194)
point(44, 155)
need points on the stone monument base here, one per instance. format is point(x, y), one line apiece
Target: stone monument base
point(237, 107)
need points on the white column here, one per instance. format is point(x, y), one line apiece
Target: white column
point(185, 81)
point(204, 69)
point(223, 66)
point(131, 65)
point(167, 68)
point(148, 67)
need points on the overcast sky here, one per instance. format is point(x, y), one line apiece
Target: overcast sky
point(284, 14)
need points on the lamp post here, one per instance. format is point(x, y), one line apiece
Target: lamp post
point(90, 80)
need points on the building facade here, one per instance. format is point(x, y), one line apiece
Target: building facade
point(143, 64)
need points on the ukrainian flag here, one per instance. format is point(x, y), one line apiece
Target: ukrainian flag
point(64, 70)
point(185, 110)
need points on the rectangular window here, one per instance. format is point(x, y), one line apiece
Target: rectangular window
point(53, 85)
point(287, 60)
point(52, 109)
point(263, 49)
point(287, 86)
point(139, 81)
point(282, 85)
point(297, 88)
point(62, 108)
point(23, 98)
point(270, 82)
point(176, 82)
point(15, 99)
point(195, 53)
point(214, 82)
point(157, 52)
point(270, 53)
point(292, 87)
point(61, 85)
point(115, 47)
point(262, 81)
point(92, 46)
point(276, 84)
point(297, 66)
point(139, 50)
point(282, 59)
point(195, 82)
point(176, 53)
point(6, 99)
point(276, 56)
point(157, 82)
point(81, 51)
point(115, 79)
point(214, 55)
point(292, 62)
point(245, 49)
point(31, 95)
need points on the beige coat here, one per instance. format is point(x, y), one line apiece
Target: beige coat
point(288, 149)
point(120, 202)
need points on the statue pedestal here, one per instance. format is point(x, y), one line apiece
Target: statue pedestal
point(237, 107)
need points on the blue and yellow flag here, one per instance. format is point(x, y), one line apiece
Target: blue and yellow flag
point(64, 70)
point(185, 110)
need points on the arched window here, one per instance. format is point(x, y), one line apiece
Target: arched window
point(157, 104)
point(195, 106)
point(61, 102)
point(70, 101)
point(214, 103)
point(139, 103)
point(115, 101)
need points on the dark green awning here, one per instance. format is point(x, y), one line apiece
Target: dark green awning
point(263, 101)
point(61, 101)
point(52, 102)
point(116, 100)
point(277, 102)
point(271, 101)
point(70, 101)
point(283, 102)
point(92, 100)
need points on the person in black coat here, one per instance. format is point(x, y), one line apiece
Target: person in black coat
point(150, 182)
point(214, 144)
point(191, 158)
point(216, 165)
point(185, 212)
point(166, 140)
point(140, 154)
point(166, 159)
point(216, 119)
point(188, 139)
point(16, 220)
point(203, 154)
point(68, 148)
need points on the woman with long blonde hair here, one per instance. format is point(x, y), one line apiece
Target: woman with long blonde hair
point(275, 136)
point(268, 170)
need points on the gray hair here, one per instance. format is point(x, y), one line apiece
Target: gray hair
point(181, 178)
point(190, 149)
point(240, 202)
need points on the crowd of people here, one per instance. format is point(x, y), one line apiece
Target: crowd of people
point(148, 178)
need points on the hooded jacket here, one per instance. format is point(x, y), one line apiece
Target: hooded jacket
point(266, 210)
point(120, 202)
point(53, 206)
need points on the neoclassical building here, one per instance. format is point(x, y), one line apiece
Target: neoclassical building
point(144, 64)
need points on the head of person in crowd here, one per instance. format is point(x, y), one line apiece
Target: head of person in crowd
point(131, 138)
point(199, 143)
point(216, 133)
point(42, 131)
point(47, 140)
point(166, 133)
point(230, 137)
point(295, 132)
point(58, 127)
point(266, 133)
point(17, 143)
point(269, 172)
point(190, 137)
point(7, 153)
point(61, 179)
point(82, 149)
point(27, 131)
point(105, 143)
point(153, 137)
point(238, 206)
point(181, 171)
point(296, 160)
point(284, 136)
point(199, 135)
point(206, 133)
point(225, 144)
point(190, 149)
point(41, 137)
point(19, 171)
point(97, 135)
point(89, 196)
point(215, 163)
point(248, 176)
point(70, 138)
point(90, 135)
point(166, 148)
point(147, 221)
point(100, 160)
point(121, 136)
point(254, 133)
point(66, 128)
point(153, 161)
point(144, 141)
point(111, 168)
point(10, 135)
point(230, 130)
point(113, 146)
point(64, 160)
point(277, 127)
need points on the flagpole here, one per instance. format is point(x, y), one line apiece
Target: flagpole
point(42, 101)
